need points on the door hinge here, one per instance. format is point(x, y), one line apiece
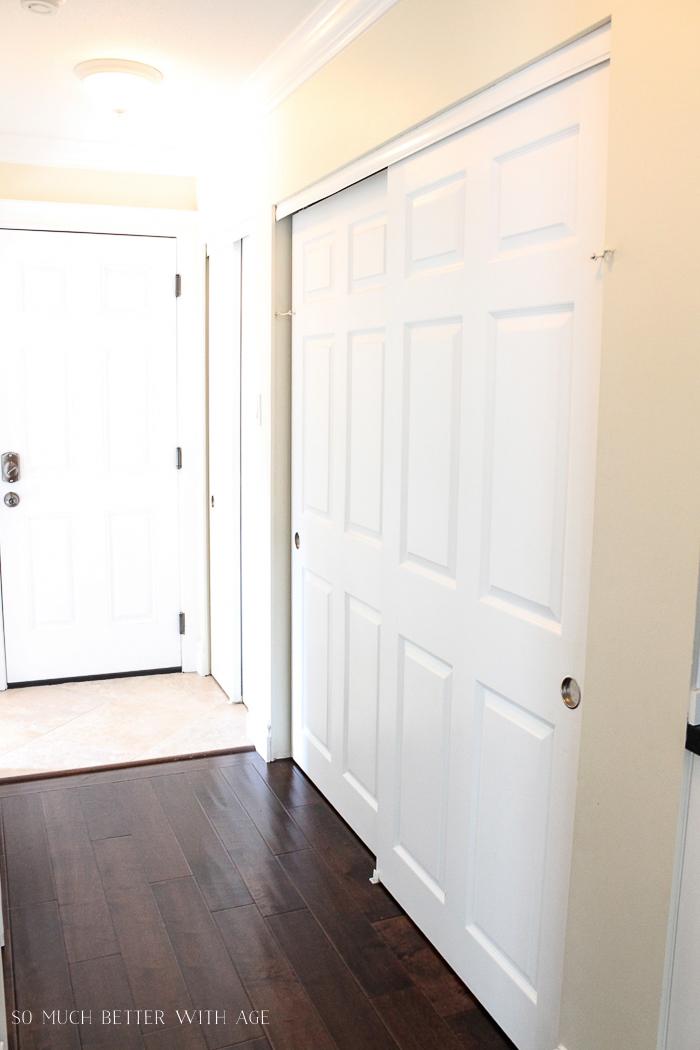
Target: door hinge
point(182, 623)
point(178, 458)
point(178, 285)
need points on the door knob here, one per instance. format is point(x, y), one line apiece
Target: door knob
point(11, 499)
point(10, 467)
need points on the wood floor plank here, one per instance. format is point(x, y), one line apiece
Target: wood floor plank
point(293, 1021)
point(29, 874)
point(132, 808)
point(100, 987)
point(288, 783)
point(117, 774)
point(151, 968)
point(42, 979)
point(191, 1039)
point(87, 927)
point(185, 1038)
point(206, 966)
point(476, 1030)
point(373, 964)
point(267, 883)
point(345, 1011)
point(212, 867)
point(413, 1022)
point(430, 972)
point(266, 811)
point(348, 857)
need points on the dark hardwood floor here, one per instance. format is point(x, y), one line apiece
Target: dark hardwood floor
point(148, 902)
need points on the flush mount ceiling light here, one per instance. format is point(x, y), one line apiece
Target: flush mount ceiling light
point(42, 7)
point(117, 83)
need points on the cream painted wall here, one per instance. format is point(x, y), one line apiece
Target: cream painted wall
point(79, 186)
point(421, 57)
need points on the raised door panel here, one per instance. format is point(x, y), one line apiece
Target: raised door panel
point(316, 671)
point(435, 226)
point(362, 630)
point(431, 445)
point(131, 566)
point(507, 852)
point(365, 419)
point(317, 408)
point(526, 451)
point(422, 740)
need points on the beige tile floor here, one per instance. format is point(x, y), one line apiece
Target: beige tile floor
point(82, 724)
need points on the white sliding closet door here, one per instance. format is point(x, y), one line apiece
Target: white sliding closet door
point(339, 293)
point(225, 466)
point(492, 382)
point(477, 422)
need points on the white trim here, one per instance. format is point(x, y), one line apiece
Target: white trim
point(587, 51)
point(184, 226)
point(44, 151)
point(234, 233)
point(666, 988)
point(324, 34)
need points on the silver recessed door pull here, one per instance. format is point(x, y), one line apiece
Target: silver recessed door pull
point(10, 467)
point(571, 693)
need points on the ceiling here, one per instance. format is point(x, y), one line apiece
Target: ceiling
point(205, 49)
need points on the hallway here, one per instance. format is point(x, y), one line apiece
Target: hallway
point(217, 884)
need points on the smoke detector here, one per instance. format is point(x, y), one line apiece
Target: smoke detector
point(42, 7)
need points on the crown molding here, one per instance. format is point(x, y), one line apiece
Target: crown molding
point(324, 34)
point(585, 52)
point(44, 151)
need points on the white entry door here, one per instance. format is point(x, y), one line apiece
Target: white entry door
point(88, 401)
point(225, 465)
point(339, 295)
point(477, 423)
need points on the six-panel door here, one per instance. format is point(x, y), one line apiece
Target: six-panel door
point(89, 401)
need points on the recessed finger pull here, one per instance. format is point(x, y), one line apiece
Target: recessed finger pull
point(296, 540)
point(571, 692)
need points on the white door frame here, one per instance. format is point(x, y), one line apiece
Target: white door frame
point(192, 480)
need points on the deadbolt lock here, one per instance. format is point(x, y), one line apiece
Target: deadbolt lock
point(10, 467)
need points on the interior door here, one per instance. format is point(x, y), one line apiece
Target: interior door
point(88, 400)
point(492, 381)
point(339, 299)
point(225, 271)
